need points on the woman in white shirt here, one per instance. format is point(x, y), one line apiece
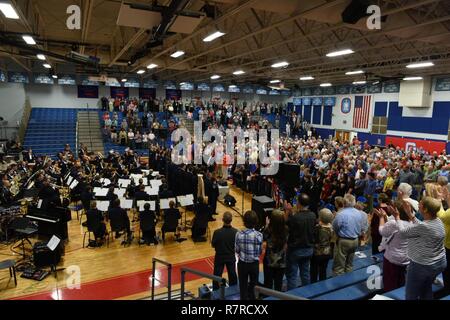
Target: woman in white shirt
point(131, 138)
point(395, 246)
point(145, 140)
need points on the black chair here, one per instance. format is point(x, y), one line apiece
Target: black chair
point(118, 225)
point(11, 265)
point(91, 226)
point(24, 229)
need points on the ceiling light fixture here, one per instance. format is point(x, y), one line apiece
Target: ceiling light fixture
point(420, 65)
point(29, 40)
point(350, 73)
point(213, 36)
point(238, 73)
point(177, 54)
point(152, 66)
point(359, 82)
point(8, 10)
point(275, 81)
point(306, 78)
point(54, 76)
point(280, 64)
point(215, 77)
point(46, 65)
point(124, 80)
point(40, 57)
point(412, 78)
point(326, 85)
point(141, 72)
point(340, 53)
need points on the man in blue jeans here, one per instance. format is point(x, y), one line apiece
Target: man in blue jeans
point(301, 224)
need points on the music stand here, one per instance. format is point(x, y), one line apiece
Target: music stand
point(53, 244)
point(21, 225)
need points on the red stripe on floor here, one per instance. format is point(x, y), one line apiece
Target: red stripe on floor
point(122, 286)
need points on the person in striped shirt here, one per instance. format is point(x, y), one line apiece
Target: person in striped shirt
point(248, 246)
point(425, 248)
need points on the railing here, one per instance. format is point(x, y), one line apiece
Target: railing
point(25, 119)
point(276, 294)
point(76, 136)
point(221, 281)
point(169, 277)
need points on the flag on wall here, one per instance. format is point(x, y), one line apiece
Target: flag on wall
point(361, 112)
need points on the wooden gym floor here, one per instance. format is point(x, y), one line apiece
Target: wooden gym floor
point(119, 272)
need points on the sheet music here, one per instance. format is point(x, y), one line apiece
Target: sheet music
point(381, 297)
point(120, 192)
point(151, 191)
point(69, 180)
point(155, 174)
point(102, 192)
point(105, 181)
point(156, 183)
point(53, 243)
point(103, 206)
point(73, 184)
point(124, 183)
point(126, 204)
point(39, 204)
point(164, 203)
point(186, 201)
point(140, 205)
point(146, 172)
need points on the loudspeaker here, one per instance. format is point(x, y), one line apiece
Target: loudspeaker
point(355, 11)
point(44, 257)
point(263, 206)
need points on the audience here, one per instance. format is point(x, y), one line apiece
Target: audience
point(323, 235)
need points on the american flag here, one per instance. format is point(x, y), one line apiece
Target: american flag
point(362, 112)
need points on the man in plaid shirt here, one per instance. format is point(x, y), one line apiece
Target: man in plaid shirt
point(248, 246)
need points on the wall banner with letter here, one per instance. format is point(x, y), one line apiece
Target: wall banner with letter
point(173, 94)
point(147, 93)
point(443, 84)
point(119, 92)
point(391, 87)
point(88, 92)
point(329, 101)
point(67, 79)
point(43, 78)
point(203, 87)
point(18, 77)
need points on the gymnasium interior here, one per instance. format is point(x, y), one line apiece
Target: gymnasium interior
point(102, 200)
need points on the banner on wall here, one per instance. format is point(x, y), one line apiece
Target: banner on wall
point(173, 94)
point(132, 83)
point(170, 85)
point(187, 86)
point(43, 78)
point(306, 101)
point(119, 92)
point(391, 87)
point(274, 93)
point(150, 84)
point(374, 88)
point(317, 91)
point(345, 89)
point(67, 79)
point(297, 101)
point(261, 91)
point(247, 89)
point(414, 144)
point(306, 92)
point(358, 89)
point(442, 84)
point(88, 92)
point(317, 101)
point(147, 93)
point(234, 89)
point(203, 87)
point(86, 82)
point(218, 88)
point(18, 77)
point(328, 91)
point(286, 92)
point(2, 76)
point(329, 101)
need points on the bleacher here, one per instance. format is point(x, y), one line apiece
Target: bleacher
point(160, 118)
point(49, 129)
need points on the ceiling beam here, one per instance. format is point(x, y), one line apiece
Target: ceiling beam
point(232, 12)
point(259, 31)
point(127, 46)
point(88, 8)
